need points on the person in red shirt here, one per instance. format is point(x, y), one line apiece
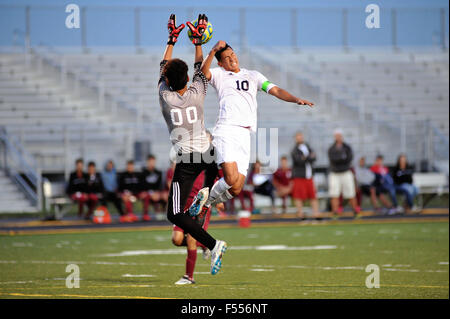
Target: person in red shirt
point(282, 181)
point(179, 238)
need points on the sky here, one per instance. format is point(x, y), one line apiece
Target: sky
point(111, 23)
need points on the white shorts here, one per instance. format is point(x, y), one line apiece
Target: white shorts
point(232, 144)
point(341, 183)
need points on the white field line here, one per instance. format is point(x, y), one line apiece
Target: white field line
point(62, 279)
point(180, 251)
point(15, 282)
point(386, 267)
point(137, 276)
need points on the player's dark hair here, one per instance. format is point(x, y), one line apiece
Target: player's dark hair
point(284, 157)
point(130, 162)
point(379, 156)
point(91, 164)
point(151, 156)
point(176, 72)
point(79, 160)
point(218, 54)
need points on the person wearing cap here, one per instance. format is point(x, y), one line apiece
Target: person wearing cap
point(340, 179)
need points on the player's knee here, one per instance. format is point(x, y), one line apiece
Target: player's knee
point(177, 240)
point(235, 190)
point(231, 178)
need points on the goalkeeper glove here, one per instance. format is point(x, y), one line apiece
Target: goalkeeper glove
point(174, 31)
point(197, 32)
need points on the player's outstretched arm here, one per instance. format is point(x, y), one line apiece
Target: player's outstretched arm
point(207, 62)
point(174, 32)
point(288, 97)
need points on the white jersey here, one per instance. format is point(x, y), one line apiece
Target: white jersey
point(237, 95)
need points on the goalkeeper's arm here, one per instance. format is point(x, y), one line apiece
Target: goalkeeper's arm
point(174, 32)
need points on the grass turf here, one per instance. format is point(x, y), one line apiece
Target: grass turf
point(413, 259)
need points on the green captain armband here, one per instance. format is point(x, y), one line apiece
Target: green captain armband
point(266, 86)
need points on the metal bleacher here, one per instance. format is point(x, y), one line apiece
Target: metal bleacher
point(53, 121)
point(97, 105)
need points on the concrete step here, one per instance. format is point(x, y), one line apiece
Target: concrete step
point(15, 207)
point(11, 197)
point(13, 194)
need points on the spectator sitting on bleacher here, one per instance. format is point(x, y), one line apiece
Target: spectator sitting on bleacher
point(365, 180)
point(282, 181)
point(109, 176)
point(385, 184)
point(262, 183)
point(341, 180)
point(76, 187)
point(129, 188)
point(303, 158)
point(151, 186)
point(403, 181)
point(94, 189)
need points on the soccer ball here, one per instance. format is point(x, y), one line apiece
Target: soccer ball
point(207, 35)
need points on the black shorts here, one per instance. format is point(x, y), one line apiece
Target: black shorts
point(188, 167)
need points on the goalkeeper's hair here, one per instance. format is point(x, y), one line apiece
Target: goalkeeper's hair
point(218, 54)
point(176, 72)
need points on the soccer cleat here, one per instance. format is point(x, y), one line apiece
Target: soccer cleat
point(185, 281)
point(199, 201)
point(216, 256)
point(146, 217)
point(206, 253)
point(200, 218)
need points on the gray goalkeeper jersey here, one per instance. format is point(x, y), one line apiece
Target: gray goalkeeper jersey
point(184, 113)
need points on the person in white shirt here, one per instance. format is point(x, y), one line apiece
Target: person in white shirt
point(236, 88)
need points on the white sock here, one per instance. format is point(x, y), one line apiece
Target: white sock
point(222, 198)
point(218, 189)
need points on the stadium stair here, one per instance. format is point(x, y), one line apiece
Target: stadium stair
point(12, 200)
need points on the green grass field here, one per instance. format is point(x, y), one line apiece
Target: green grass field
point(308, 261)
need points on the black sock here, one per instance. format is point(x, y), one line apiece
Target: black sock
point(185, 222)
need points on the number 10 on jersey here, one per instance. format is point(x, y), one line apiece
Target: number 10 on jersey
point(242, 85)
